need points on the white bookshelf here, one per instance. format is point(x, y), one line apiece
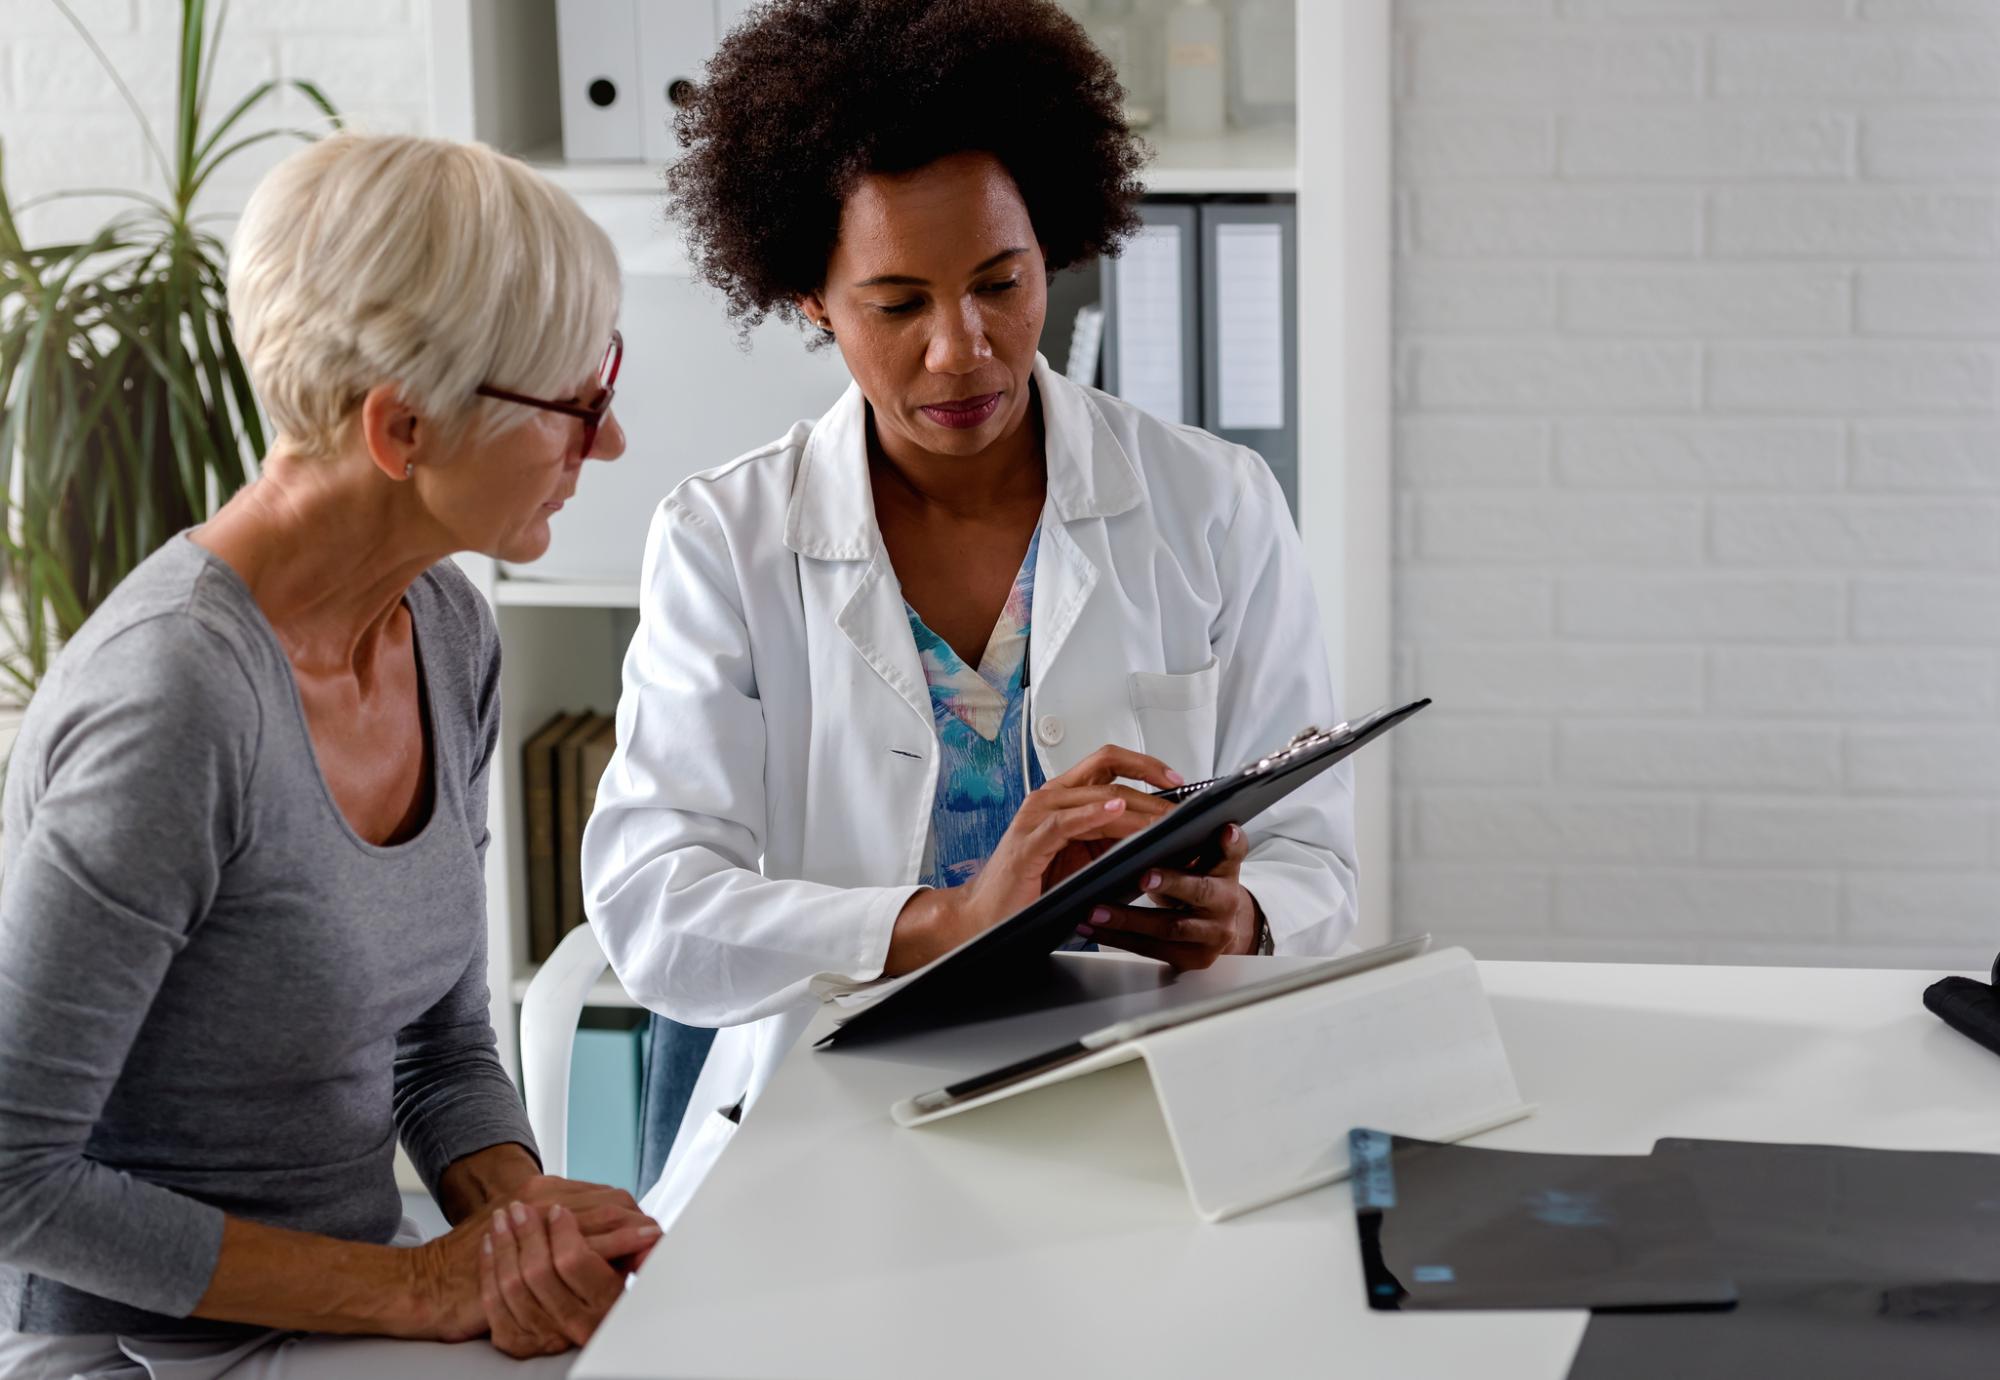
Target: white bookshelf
point(563, 594)
point(1243, 161)
point(493, 78)
point(1249, 161)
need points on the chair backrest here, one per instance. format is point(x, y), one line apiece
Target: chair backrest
point(549, 1012)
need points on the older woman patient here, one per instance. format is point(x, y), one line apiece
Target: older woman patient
point(242, 932)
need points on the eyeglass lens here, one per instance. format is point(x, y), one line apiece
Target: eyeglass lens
point(607, 373)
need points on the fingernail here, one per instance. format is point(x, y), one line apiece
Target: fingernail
point(1152, 880)
point(1099, 916)
point(500, 1221)
point(1233, 833)
point(649, 1231)
point(1117, 803)
point(520, 1214)
point(1085, 931)
point(555, 1212)
point(486, 1246)
point(1175, 777)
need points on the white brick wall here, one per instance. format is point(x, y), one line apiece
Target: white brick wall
point(62, 124)
point(1698, 334)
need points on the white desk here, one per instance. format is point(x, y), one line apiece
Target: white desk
point(1032, 1240)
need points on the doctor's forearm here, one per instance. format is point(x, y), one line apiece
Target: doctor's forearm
point(931, 923)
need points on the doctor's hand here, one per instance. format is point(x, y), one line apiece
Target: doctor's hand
point(1058, 829)
point(1199, 918)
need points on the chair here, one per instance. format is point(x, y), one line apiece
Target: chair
point(550, 1009)
point(549, 1012)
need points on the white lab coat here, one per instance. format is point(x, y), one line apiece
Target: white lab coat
point(767, 812)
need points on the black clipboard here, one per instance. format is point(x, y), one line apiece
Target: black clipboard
point(1188, 840)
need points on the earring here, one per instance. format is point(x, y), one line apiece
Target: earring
point(409, 469)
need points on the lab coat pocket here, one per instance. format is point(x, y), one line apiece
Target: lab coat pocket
point(1176, 716)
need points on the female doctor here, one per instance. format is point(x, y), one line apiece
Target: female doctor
point(894, 669)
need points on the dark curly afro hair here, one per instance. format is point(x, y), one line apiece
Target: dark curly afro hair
point(808, 96)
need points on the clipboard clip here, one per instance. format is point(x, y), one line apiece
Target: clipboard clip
point(1305, 740)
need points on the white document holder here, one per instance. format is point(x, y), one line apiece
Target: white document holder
point(676, 40)
point(597, 61)
point(1258, 1100)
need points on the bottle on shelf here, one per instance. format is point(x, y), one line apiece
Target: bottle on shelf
point(1195, 84)
point(1131, 41)
point(1263, 66)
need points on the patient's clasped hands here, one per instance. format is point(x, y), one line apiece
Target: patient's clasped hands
point(535, 1269)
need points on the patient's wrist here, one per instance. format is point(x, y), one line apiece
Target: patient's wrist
point(484, 1179)
point(421, 1303)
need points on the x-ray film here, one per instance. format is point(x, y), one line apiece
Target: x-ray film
point(1852, 1264)
point(1454, 1226)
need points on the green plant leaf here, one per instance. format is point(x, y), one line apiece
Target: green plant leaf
point(168, 366)
point(318, 97)
point(75, 193)
point(126, 410)
point(208, 67)
point(228, 122)
point(247, 414)
point(187, 106)
point(225, 461)
point(245, 142)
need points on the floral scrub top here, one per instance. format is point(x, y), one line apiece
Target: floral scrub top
point(978, 713)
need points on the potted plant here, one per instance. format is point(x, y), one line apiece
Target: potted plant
point(125, 411)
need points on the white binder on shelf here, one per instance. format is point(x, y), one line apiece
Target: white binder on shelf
point(676, 40)
point(1250, 332)
point(597, 62)
point(1259, 1089)
point(1201, 323)
point(1152, 345)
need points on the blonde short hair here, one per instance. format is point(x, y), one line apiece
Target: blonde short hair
point(432, 265)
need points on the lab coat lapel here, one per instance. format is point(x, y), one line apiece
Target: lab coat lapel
point(1090, 478)
point(873, 619)
point(831, 519)
point(1064, 578)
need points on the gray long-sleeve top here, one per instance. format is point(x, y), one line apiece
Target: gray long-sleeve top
point(215, 997)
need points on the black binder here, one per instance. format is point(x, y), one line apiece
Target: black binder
point(1188, 840)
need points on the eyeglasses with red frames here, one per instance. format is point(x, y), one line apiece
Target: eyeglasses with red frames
point(591, 413)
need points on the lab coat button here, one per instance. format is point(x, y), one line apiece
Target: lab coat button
point(1049, 730)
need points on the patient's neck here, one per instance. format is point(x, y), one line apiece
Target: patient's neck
point(328, 551)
